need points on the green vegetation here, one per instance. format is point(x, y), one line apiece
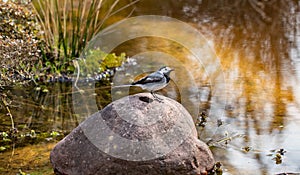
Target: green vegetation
point(20, 43)
point(39, 41)
point(97, 61)
point(68, 25)
point(15, 138)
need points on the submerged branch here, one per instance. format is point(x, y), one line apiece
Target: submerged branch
point(6, 105)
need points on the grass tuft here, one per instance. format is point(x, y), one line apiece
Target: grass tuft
point(68, 25)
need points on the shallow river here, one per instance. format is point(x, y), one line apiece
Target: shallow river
point(251, 85)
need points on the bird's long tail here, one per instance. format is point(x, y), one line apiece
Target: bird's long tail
point(126, 85)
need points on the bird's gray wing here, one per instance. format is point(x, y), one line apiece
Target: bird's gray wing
point(151, 78)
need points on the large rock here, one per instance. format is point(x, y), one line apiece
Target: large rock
point(135, 135)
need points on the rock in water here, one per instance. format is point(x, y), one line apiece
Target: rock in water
point(134, 135)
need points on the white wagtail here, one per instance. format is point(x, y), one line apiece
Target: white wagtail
point(154, 81)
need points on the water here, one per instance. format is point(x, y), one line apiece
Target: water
point(257, 45)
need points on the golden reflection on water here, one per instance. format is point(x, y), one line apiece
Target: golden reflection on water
point(255, 55)
point(257, 43)
point(251, 85)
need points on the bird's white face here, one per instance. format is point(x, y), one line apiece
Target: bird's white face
point(165, 70)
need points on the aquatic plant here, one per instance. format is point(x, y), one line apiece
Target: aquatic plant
point(68, 25)
point(44, 50)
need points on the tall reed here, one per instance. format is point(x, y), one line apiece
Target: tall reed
point(69, 24)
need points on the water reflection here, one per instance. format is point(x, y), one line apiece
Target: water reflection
point(258, 45)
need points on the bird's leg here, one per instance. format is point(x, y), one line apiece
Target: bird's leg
point(156, 97)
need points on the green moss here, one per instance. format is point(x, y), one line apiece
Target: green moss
point(97, 61)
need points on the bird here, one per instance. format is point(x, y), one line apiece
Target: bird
point(154, 81)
